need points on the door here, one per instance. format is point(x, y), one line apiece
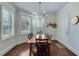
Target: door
point(64, 30)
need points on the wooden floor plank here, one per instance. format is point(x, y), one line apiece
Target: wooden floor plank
point(23, 50)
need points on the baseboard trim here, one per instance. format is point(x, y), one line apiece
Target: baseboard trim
point(71, 49)
point(74, 50)
point(3, 52)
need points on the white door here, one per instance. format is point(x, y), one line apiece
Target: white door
point(64, 30)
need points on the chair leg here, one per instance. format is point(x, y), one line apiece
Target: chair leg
point(49, 49)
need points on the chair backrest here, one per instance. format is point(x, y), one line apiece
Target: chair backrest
point(50, 37)
point(42, 45)
point(39, 40)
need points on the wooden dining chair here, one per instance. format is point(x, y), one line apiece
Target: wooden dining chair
point(50, 37)
point(30, 35)
point(42, 47)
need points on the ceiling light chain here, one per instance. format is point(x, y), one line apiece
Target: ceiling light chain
point(40, 10)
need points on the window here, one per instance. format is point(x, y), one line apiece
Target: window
point(25, 23)
point(37, 24)
point(7, 23)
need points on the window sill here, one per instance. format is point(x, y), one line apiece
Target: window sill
point(4, 37)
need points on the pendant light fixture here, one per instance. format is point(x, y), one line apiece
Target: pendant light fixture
point(39, 10)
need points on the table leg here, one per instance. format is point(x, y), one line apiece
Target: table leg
point(30, 49)
point(49, 49)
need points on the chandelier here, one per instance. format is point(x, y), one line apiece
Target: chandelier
point(39, 10)
point(41, 14)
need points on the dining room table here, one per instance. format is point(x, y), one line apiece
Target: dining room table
point(37, 36)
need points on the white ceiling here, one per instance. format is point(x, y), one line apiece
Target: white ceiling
point(45, 6)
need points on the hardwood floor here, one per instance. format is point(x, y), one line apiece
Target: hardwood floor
point(56, 49)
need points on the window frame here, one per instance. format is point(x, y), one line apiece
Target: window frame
point(29, 21)
point(6, 36)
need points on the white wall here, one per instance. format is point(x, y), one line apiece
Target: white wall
point(50, 30)
point(6, 45)
point(66, 13)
